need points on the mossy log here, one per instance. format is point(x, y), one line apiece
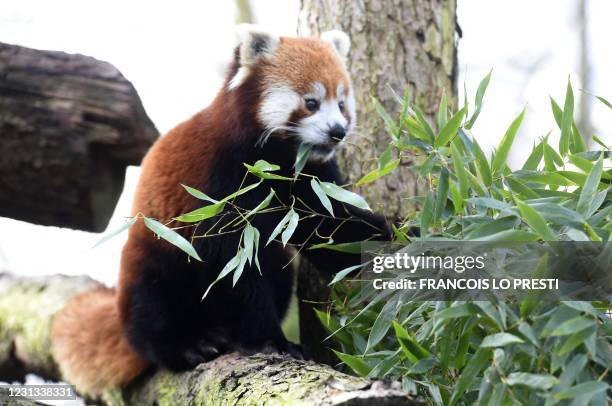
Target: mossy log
point(69, 126)
point(27, 306)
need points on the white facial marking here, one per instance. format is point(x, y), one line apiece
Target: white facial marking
point(277, 105)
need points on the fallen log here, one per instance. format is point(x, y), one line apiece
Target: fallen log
point(27, 306)
point(69, 126)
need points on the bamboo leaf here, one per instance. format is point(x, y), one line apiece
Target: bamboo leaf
point(119, 230)
point(171, 236)
point(589, 190)
point(482, 88)
point(302, 158)
point(343, 195)
point(291, 226)
point(198, 194)
point(202, 213)
point(450, 129)
point(535, 221)
point(567, 120)
point(316, 187)
point(506, 143)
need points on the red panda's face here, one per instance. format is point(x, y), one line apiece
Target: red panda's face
point(306, 93)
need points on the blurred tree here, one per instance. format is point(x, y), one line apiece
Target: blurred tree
point(584, 69)
point(396, 45)
point(244, 13)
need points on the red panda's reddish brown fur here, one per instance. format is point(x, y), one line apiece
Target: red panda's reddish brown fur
point(88, 338)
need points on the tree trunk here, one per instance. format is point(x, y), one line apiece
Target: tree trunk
point(27, 306)
point(396, 45)
point(69, 126)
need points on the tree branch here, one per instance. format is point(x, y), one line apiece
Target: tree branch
point(27, 306)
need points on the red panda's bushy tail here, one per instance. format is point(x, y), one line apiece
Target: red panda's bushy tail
point(89, 345)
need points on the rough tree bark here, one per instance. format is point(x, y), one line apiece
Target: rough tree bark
point(27, 306)
point(396, 44)
point(69, 126)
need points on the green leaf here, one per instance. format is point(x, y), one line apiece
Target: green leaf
point(557, 112)
point(585, 389)
point(358, 365)
point(510, 236)
point(262, 168)
point(547, 178)
point(241, 191)
point(198, 195)
point(264, 203)
point(600, 142)
point(378, 173)
point(530, 301)
point(343, 195)
point(334, 328)
point(483, 165)
point(460, 171)
point(476, 364)
point(500, 340)
point(589, 190)
point(482, 88)
point(342, 274)
point(519, 187)
point(231, 265)
point(171, 236)
point(389, 121)
point(321, 195)
point(442, 110)
point(382, 324)
point(410, 347)
point(604, 101)
point(496, 226)
point(535, 157)
point(567, 120)
point(424, 124)
point(302, 158)
point(291, 226)
point(535, 221)
point(427, 212)
point(450, 129)
point(458, 311)
point(121, 229)
point(572, 326)
point(488, 202)
point(533, 381)
point(506, 143)
point(279, 227)
point(441, 194)
point(346, 247)
point(238, 271)
point(575, 340)
point(202, 213)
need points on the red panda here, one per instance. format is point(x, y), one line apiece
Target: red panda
point(279, 93)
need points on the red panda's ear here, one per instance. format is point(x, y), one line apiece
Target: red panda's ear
point(339, 41)
point(255, 43)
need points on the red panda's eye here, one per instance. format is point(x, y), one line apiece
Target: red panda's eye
point(312, 105)
point(341, 105)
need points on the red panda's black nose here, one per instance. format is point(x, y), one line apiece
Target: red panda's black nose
point(337, 133)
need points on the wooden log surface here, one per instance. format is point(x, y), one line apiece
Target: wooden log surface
point(69, 126)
